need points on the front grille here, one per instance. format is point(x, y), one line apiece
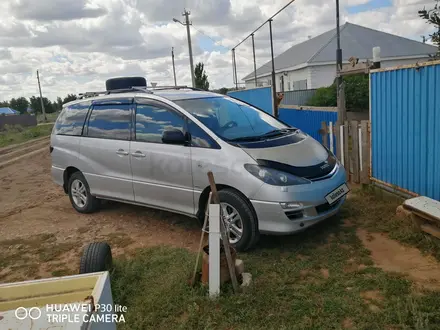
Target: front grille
point(293, 215)
point(326, 207)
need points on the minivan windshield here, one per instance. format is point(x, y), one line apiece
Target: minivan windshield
point(232, 119)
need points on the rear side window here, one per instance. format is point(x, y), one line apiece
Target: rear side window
point(110, 121)
point(153, 120)
point(71, 119)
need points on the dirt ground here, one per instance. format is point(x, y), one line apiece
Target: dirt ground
point(41, 235)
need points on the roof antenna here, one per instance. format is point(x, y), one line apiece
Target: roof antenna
point(153, 84)
point(309, 37)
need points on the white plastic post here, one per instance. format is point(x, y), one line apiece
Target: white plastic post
point(214, 250)
point(360, 149)
point(331, 137)
point(341, 135)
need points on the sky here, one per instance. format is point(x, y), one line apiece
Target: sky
point(77, 44)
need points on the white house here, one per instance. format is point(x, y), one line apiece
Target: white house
point(312, 64)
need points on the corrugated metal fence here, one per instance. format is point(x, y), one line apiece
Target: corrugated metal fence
point(298, 97)
point(405, 128)
point(305, 118)
point(260, 97)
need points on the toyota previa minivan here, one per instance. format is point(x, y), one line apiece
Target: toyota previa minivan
point(154, 147)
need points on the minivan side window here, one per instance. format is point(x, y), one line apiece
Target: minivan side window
point(71, 119)
point(110, 121)
point(199, 138)
point(153, 119)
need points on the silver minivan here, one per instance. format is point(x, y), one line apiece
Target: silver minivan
point(155, 147)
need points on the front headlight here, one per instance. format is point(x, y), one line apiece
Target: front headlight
point(274, 177)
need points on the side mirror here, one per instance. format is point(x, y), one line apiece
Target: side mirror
point(174, 136)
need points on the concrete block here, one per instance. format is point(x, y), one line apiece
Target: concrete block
point(401, 212)
point(247, 280)
point(239, 266)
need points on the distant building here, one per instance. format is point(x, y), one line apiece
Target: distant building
point(8, 111)
point(312, 64)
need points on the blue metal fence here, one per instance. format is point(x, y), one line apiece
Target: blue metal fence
point(259, 97)
point(405, 124)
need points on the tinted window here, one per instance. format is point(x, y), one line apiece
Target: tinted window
point(230, 118)
point(110, 121)
point(199, 138)
point(153, 120)
point(71, 119)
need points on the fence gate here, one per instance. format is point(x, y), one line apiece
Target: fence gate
point(352, 144)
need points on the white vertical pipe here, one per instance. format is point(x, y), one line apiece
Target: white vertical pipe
point(360, 148)
point(341, 138)
point(214, 250)
point(331, 137)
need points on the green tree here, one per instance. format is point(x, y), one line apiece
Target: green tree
point(200, 77)
point(20, 104)
point(59, 103)
point(357, 94)
point(223, 90)
point(4, 104)
point(69, 98)
point(36, 104)
point(432, 16)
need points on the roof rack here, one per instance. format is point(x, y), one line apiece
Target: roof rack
point(148, 90)
point(115, 91)
point(158, 88)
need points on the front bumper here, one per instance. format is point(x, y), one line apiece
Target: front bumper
point(273, 219)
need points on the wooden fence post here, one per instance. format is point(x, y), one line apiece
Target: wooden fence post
point(338, 141)
point(365, 173)
point(347, 150)
point(355, 150)
point(324, 133)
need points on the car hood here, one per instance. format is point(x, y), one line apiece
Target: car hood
point(307, 152)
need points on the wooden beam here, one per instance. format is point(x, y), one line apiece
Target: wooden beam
point(324, 133)
point(355, 150)
point(365, 173)
point(347, 150)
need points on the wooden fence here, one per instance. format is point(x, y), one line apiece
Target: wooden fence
point(353, 149)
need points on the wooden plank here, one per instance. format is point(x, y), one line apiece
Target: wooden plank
point(347, 149)
point(424, 207)
point(324, 133)
point(338, 140)
point(365, 173)
point(430, 229)
point(354, 155)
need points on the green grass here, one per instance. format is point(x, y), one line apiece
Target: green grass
point(51, 117)
point(290, 288)
point(18, 134)
point(375, 211)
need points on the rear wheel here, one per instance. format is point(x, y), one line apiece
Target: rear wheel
point(240, 221)
point(79, 194)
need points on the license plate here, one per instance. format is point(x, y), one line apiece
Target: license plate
point(337, 194)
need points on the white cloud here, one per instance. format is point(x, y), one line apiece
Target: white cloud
point(76, 45)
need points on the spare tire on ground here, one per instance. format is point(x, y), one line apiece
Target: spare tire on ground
point(125, 83)
point(96, 257)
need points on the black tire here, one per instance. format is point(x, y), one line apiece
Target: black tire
point(91, 204)
point(96, 257)
point(125, 83)
point(251, 233)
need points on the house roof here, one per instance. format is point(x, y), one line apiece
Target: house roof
point(7, 111)
point(356, 40)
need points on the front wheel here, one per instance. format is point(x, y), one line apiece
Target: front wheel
point(240, 221)
point(79, 194)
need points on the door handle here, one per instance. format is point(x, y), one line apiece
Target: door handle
point(122, 152)
point(138, 154)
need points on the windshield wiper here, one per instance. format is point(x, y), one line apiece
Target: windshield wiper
point(246, 138)
point(277, 132)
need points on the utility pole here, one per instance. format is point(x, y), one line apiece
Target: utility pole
point(187, 23)
point(274, 84)
point(339, 83)
point(255, 62)
point(41, 98)
point(174, 66)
